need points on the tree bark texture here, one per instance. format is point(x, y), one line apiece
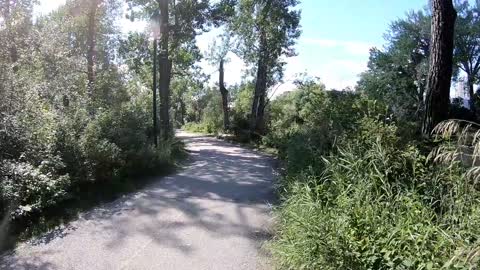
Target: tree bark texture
point(92, 44)
point(471, 94)
point(224, 93)
point(165, 67)
point(441, 65)
point(258, 104)
point(154, 90)
point(12, 48)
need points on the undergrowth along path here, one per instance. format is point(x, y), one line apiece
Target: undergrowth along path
point(214, 214)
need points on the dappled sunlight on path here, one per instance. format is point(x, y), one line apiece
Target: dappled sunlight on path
point(212, 215)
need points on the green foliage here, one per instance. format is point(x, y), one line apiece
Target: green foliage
point(242, 96)
point(467, 35)
point(211, 115)
point(397, 75)
point(306, 123)
point(53, 150)
point(279, 21)
point(378, 205)
point(28, 188)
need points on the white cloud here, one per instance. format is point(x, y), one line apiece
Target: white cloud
point(335, 74)
point(352, 47)
point(340, 74)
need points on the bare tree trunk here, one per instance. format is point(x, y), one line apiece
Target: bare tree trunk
point(165, 67)
point(224, 93)
point(258, 104)
point(441, 64)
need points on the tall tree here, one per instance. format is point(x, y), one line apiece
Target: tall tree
point(15, 34)
point(165, 67)
point(441, 64)
point(93, 35)
point(266, 31)
point(397, 74)
point(218, 56)
point(467, 46)
point(180, 22)
point(92, 13)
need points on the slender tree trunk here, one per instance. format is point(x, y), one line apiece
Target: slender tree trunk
point(165, 67)
point(441, 64)
point(182, 111)
point(224, 93)
point(420, 103)
point(471, 94)
point(154, 90)
point(258, 104)
point(92, 51)
point(12, 48)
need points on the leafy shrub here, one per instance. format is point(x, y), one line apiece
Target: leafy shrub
point(194, 127)
point(211, 117)
point(30, 189)
point(378, 205)
point(242, 97)
point(48, 159)
point(118, 143)
point(305, 124)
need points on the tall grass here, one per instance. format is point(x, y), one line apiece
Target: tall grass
point(378, 204)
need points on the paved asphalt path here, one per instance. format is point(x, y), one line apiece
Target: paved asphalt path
point(214, 214)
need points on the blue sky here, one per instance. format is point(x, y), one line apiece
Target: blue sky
point(335, 41)
point(336, 38)
point(338, 34)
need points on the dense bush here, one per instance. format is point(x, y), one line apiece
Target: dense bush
point(61, 139)
point(359, 191)
point(44, 161)
point(210, 117)
point(27, 188)
point(306, 123)
point(378, 204)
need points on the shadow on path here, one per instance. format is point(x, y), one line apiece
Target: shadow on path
point(220, 201)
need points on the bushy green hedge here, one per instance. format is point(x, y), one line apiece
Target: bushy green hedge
point(307, 123)
point(211, 116)
point(378, 205)
point(49, 157)
point(360, 193)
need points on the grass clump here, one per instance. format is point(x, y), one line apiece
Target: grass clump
point(378, 203)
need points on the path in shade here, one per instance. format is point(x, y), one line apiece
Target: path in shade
point(215, 214)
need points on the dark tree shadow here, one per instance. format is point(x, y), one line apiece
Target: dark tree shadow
point(225, 191)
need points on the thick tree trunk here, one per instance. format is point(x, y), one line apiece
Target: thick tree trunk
point(224, 93)
point(165, 67)
point(441, 65)
point(258, 104)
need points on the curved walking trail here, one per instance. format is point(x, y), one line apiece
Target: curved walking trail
point(212, 215)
